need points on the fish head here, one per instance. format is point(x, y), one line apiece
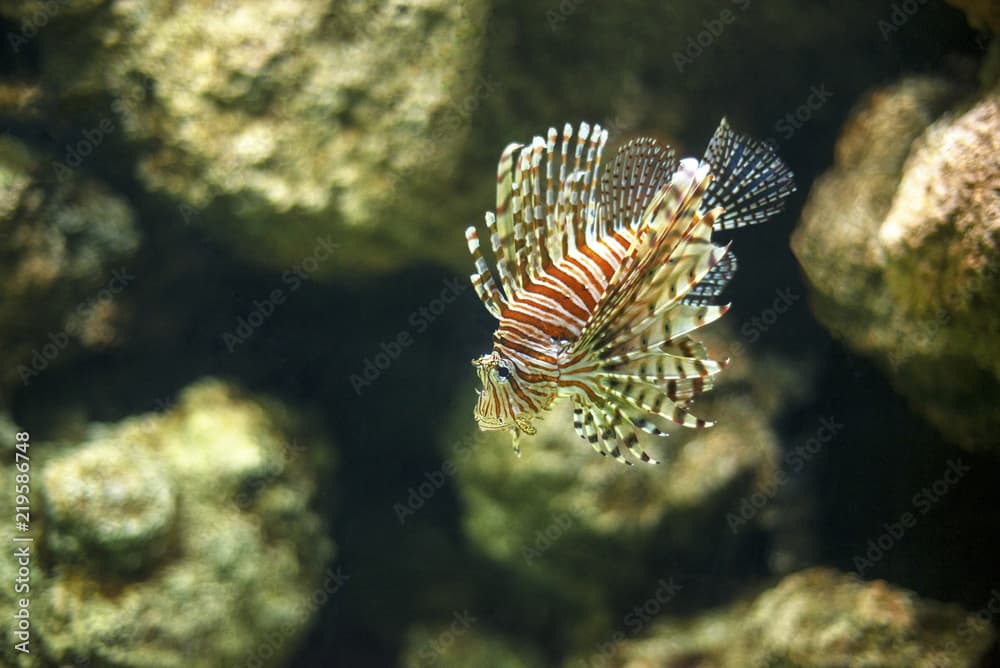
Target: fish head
point(498, 406)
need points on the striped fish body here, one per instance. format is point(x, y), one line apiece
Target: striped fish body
point(599, 284)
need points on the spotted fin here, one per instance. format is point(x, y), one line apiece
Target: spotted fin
point(640, 169)
point(751, 182)
point(708, 289)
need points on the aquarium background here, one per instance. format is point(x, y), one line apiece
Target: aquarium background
point(237, 325)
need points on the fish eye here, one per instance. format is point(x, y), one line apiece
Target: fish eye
point(503, 373)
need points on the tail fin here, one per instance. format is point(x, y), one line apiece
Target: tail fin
point(751, 182)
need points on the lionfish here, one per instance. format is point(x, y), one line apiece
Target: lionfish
point(600, 282)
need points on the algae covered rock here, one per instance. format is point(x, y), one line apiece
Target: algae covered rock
point(110, 504)
point(816, 618)
point(899, 244)
point(181, 538)
point(274, 124)
point(824, 618)
point(66, 244)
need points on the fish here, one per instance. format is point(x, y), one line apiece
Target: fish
point(601, 278)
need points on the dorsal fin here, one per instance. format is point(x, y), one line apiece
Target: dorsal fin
point(640, 168)
point(501, 223)
point(751, 182)
point(547, 204)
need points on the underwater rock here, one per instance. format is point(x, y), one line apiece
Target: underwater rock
point(181, 538)
point(899, 242)
point(816, 618)
point(108, 503)
point(584, 525)
point(463, 643)
point(66, 242)
point(278, 125)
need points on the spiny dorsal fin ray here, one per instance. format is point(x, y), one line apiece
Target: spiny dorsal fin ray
point(482, 280)
point(640, 169)
point(535, 211)
point(546, 205)
point(500, 224)
point(555, 233)
point(751, 182)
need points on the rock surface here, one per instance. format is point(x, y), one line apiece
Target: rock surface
point(182, 538)
point(66, 241)
point(274, 124)
point(109, 504)
point(900, 242)
point(817, 618)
